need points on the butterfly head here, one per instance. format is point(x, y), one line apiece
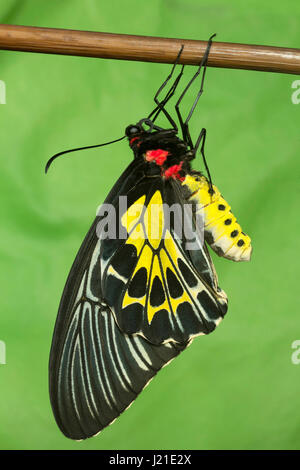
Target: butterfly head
point(145, 135)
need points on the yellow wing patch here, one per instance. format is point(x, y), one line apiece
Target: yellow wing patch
point(157, 282)
point(157, 290)
point(144, 262)
point(154, 220)
point(156, 300)
point(133, 214)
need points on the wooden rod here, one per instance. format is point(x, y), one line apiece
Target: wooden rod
point(148, 48)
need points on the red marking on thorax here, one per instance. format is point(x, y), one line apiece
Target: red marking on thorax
point(158, 156)
point(173, 172)
point(132, 140)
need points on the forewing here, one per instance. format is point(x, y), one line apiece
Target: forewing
point(95, 370)
point(101, 371)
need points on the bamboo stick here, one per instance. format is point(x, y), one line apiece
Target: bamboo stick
point(147, 48)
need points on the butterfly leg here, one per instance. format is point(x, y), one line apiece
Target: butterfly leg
point(161, 104)
point(184, 123)
point(201, 143)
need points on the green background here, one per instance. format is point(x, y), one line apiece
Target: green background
point(236, 388)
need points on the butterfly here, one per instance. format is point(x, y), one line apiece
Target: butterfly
point(141, 288)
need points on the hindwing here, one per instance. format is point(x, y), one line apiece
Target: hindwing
point(153, 283)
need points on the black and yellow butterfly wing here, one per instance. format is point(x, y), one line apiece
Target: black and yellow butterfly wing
point(155, 286)
point(129, 306)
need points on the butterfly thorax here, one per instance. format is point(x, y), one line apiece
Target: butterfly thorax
point(164, 153)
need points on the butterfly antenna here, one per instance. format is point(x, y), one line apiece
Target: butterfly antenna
point(50, 161)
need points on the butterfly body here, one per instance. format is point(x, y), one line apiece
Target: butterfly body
point(222, 231)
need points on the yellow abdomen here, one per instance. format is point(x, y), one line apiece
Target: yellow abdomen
point(221, 229)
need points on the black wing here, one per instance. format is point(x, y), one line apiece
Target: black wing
point(95, 370)
point(100, 371)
